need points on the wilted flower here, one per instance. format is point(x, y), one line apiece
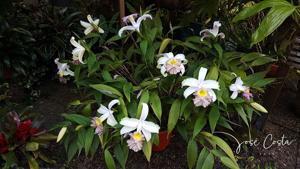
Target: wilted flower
point(214, 31)
point(140, 125)
point(201, 88)
point(63, 68)
point(107, 113)
point(91, 25)
point(97, 124)
point(78, 52)
point(171, 64)
point(135, 24)
point(136, 141)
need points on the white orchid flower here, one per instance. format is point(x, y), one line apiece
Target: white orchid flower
point(237, 87)
point(107, 113)
point(135, 24)
point(63, 69)
point(201, 88)
point(140, 125)
point(171, 64)
point(214, 31)
point(78, 52)
point(91, 25)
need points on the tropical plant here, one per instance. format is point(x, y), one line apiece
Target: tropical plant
point(143, 65)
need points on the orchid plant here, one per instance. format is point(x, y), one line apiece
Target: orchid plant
point(152, 68)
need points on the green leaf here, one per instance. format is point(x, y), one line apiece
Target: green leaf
point(199, 124)
point(224, 146)
point(228, 162)
point(250, 11)
point(110, 163)
point(239, 108)
point(79, 119)
point(95, 145)
point(213, 73)
point(33, 164)
point(192, 152)
point(155, 103)
point(213, 117)
point(220, 53)
point(89, 136)
point(259, 107)
point(202, 156)
point(32, 146)
point(107, 90)
point(72, 150)
point(174, 115)
point(262, 61)
point(127, 89)
point(121, 154)
point(276, 16)
point(209, 162)
point(163, 45)
point(147, 149)
point(123, 107)
point(144, 46)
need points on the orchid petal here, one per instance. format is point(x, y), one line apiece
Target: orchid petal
point(85, 24)
point(100, 30)
point(103, 110)
point(89, 18)
point(143, 17)
point(112, 103)
point(202, 74)
point(111, 120)
point(88, 30)
point(192, 82)
point(212, 94)
point(151, 127)
point(96, 22)
point(104, 116)
point(125, 28)
point(190, 90)
point(163, 71)
point(147, 134)
point(211, 84)
point(161, 61)
point(126, 129)
point(129, 122)
point(234, 95)
point(182, 69)
point(145, 110)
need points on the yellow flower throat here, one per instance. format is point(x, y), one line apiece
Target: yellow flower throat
point(98, 121)
point(202, 93)
point(137, 136)
point(172, 62)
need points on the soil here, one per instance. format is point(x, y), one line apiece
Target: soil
point(281, 121)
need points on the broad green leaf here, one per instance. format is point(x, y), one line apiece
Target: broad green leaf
point(220, 53)
point(144, 46)
point(262, 61)
point(213, 73)
point(250, 11)
point(107, 90)
point(163, 45)
point(224, 146)
point(276, 16)
point(110, 163)
point(32, 146)
point(95, 145)
point(79, 119)
point(209, 162)
point(213, 117)
point(192, 152)
point(174, 115)
point(127, 89)
point(202, 156)
point(123, 107)
point(121, 154)
point(89, 136)
point(239, 108)
point(199, 124)
point(147, 149)
point(228, 163)
point(72, 150)
point(46, 159)
point(155, 103)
